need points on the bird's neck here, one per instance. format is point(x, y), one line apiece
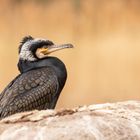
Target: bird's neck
point(56, 64)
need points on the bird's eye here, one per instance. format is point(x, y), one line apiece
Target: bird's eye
point(45, 46)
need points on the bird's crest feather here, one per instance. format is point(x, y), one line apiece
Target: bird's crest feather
point(25, 39)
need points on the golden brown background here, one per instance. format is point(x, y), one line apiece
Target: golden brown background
point(104, 66)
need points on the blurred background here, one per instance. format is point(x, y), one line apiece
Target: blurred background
point(103, 67)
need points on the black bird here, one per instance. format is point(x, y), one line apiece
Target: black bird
point(41, 80)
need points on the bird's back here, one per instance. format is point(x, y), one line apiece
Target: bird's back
point(35, 89)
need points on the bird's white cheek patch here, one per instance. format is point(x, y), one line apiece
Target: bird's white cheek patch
point(25, 53)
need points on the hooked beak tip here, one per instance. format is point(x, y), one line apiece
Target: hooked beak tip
point(69, 46)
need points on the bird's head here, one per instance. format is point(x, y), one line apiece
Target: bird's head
point(32, 49)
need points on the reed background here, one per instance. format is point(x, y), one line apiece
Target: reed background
point(103, 67)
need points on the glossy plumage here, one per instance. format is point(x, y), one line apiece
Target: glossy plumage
point(37, 87)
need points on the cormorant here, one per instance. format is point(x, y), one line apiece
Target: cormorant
point(40, 81)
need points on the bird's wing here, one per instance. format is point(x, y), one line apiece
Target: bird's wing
point(7, 87)
point(34, 89)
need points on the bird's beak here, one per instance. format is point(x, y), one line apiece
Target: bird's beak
point(49, 49)
point(44, 51)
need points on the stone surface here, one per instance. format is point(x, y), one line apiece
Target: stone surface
point(110, 121)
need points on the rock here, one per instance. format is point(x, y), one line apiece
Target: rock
point(110, 121)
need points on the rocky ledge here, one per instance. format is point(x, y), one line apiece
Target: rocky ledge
point(109, 121)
